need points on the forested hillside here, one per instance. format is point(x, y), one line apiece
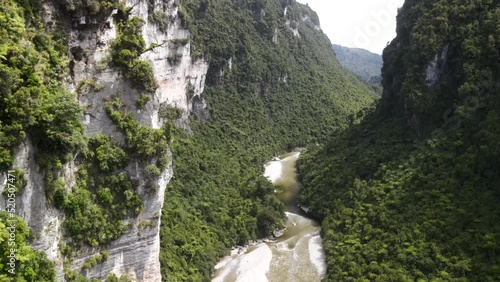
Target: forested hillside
point(267, 91)
point(412, 193)
point(361, 62)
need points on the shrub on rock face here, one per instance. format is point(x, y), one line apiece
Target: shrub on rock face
point(141, 76)
point(90, 7)
point(108, 154)
point(126, 49)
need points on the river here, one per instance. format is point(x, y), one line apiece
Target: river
point(297, 256)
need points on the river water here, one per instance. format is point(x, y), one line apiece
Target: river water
point(297, 256)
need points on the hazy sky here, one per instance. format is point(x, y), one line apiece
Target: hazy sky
point(367, 24)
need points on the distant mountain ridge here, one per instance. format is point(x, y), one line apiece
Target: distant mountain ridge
point(362, 62)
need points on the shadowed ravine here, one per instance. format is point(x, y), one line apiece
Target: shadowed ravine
point(295, 256)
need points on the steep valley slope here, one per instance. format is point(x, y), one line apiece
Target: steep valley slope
point(412, 193)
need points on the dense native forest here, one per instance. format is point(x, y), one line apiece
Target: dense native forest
point(412, 193)
point(273, 84)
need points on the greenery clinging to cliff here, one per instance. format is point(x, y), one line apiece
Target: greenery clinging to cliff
point(33, 67)
point(274, 95)
point(104, 194)
point(411, 194)
point(33, 100)
point(126, 49)
point(141, 140)
point(93, 8)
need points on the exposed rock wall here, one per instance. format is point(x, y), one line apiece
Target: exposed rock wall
point(174, 80)
point(136, 253)
point(436, 67)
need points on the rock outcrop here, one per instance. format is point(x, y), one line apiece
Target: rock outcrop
point(180, 85)
point(436, 67)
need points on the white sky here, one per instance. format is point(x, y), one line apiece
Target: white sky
point(367, 24)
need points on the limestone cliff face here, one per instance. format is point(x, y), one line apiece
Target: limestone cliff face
point(92, 48)
point(43, 219)
point(174, 80)
point(136, 252)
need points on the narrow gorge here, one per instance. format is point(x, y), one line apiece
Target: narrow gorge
point(134, 132)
